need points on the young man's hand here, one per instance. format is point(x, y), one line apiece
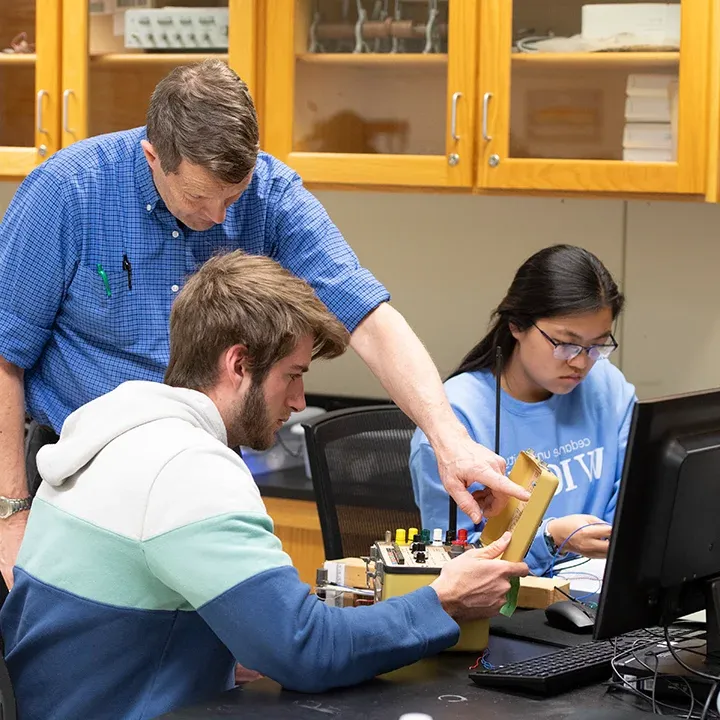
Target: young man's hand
point(474, 585)
point(243, 675)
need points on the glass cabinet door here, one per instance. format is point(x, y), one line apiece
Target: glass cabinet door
point(116, 51)
point(582, 95)
point(372, 91)
point(29, 84)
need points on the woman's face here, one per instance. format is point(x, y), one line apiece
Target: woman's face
point(538, 356)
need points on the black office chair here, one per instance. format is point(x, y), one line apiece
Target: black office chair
point(359, 464)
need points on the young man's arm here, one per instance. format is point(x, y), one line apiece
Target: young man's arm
point(208, 537)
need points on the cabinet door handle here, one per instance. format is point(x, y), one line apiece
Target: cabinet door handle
point(39, 113)
point(453, 115)
point(485, 103)
point(66, 111)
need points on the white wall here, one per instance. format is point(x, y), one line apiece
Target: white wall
point(6, 192)
point(447, 260)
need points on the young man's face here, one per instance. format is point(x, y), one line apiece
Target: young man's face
point(264, 408)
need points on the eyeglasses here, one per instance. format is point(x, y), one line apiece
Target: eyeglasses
point(569, 351)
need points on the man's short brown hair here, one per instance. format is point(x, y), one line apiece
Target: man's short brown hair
point(250, 300)
point(203, 113)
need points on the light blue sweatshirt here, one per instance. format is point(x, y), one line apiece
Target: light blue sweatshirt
point(581, 436)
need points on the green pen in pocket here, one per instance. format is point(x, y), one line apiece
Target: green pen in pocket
point(106, 282)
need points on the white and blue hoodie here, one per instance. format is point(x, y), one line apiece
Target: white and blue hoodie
point(149, 566)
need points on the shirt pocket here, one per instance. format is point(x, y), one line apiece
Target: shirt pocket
point(105, 315)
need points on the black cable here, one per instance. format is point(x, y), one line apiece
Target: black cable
point(626, 686)
point(709, 700)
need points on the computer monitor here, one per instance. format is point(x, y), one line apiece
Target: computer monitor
point(664, 555)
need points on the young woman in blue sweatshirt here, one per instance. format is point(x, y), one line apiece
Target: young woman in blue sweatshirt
point(560, 397)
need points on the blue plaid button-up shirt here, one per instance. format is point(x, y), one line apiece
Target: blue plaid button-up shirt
point(68, 315)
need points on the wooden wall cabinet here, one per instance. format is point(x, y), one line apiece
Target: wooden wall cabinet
point(349, 104)
point(29, 84)
point(391, 93)
point(371, 97)
point(106, 87)
point(587, 121)
point(81, 81)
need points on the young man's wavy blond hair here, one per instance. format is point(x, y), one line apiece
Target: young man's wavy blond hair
point(250, 300)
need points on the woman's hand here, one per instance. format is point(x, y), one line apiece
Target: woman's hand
point(590, 542)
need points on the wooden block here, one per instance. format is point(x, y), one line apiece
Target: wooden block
point(539, 592)
point(348, 571)
point(338, 598)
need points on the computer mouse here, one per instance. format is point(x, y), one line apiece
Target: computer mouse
point(570, 616)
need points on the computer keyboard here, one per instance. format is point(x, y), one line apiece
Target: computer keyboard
point(565, 669)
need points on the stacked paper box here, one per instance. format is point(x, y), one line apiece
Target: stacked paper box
point(651, 118)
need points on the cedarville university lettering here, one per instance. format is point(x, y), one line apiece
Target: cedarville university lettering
point(588, 461)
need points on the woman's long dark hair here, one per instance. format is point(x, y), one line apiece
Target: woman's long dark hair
point(558, 280)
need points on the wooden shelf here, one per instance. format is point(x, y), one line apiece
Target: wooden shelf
point(140, 58)
point(599, 59)
point(373, 59)
point(23, 59)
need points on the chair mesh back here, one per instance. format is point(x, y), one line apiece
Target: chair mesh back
point(359, 462)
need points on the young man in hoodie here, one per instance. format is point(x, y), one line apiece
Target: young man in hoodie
point(149, 566)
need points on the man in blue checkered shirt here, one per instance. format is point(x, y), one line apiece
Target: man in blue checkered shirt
point(99, 239)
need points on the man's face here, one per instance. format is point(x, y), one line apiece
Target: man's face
point(194, 196)
point(262, 409)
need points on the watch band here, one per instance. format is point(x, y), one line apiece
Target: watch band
point(12, 506)
point(20, 504)
point(550, 542)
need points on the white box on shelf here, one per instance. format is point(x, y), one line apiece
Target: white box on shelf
point(647, 109)
point(648, 135)
point(648, 155)
point(646, 85)
point(654, 23)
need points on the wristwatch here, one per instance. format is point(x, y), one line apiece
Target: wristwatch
point(10, 506)
point(550, 542)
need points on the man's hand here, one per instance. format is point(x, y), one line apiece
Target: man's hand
point(243, 675)
point(474, 585)
point(590, 542)
point(464, 463)
point(11, 535)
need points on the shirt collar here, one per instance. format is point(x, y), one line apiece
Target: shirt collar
point(147, 191)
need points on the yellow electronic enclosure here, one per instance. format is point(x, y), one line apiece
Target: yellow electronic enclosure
point(402, 568)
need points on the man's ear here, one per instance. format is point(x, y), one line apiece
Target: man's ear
point(150, 154)
point(237, 364)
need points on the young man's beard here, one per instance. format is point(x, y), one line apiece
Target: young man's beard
point(252, 426)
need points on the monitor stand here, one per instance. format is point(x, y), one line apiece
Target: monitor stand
point(701, 653)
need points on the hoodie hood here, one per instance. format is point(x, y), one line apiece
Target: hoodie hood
point(96, 424)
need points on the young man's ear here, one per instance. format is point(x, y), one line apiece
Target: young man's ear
point(237, 364)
